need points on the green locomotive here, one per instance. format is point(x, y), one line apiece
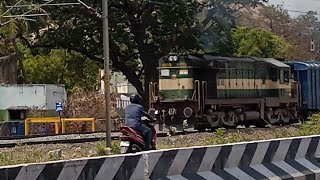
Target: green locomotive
point(204, 91)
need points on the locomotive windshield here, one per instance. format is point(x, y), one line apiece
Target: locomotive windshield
point(284, 76)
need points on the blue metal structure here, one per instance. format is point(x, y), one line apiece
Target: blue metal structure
point(308, 74)
point(59, 107)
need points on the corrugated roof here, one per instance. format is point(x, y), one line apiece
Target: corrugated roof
point(276, 62)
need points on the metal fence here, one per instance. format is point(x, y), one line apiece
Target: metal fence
point(58, 123)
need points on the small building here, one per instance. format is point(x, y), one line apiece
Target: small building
point(118, 83)
point(17, 99)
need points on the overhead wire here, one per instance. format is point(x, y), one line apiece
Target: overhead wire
point(26, 13)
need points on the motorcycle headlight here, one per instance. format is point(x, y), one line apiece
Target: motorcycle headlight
point(151, 111)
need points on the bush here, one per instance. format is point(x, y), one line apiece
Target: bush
point(102, 150)
point(311, 127)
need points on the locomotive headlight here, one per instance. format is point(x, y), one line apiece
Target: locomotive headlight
point(174, 76)
point(187, 112)
point(173, 58)
point(156, 112)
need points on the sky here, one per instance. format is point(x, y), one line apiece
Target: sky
point(298, 5)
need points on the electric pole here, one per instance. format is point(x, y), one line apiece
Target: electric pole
point(106, 69)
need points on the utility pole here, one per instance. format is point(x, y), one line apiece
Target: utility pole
point(106, 69)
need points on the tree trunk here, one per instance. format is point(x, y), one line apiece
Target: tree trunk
point(150, 72)
point(21, 71)
point(8, 69)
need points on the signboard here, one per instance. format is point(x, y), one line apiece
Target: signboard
point(184, 72)
point(165, 72)
point(59, 107)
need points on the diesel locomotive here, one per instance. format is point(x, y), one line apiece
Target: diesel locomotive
point(204, 91)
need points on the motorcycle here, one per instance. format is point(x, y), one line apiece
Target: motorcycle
point(132, 141)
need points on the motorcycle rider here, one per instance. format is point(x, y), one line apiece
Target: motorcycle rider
point(133, 114)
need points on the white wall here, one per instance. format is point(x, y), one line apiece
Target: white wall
point(30, 95)
point(124, 88)
point(117, 82)
point(54, 94)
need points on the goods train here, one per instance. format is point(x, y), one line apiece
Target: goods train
point(203, 91)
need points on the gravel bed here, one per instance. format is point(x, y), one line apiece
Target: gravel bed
point(57, 138)
point(102, 135)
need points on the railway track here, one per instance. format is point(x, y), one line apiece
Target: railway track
point(69, 138)
point(54, 139)
point(6, 142)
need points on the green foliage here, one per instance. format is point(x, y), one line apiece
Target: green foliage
point(102, 150)
point(54, 157)
point(60, 67)
point(311, 127)
point(221, 136)
point(142, 31)
point(259, 43)
point(115, 149)
point(19, 28)
point(6, 47)
point(217, 23)
point(220, 132)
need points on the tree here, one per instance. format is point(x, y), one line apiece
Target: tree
point(296, 31)
point(217, 23)
point(141, 31)
point(14, 30)
point(59, 66)
point(259, 43)
point(306, 29)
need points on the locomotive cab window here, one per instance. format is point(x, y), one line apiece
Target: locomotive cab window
point(274, 74)
point(284, 76)
point(165, 72)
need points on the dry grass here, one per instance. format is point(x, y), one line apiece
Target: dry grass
point(39, 153)
point(223, 137)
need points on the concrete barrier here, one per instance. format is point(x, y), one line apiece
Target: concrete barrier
point(290, 158)
point(100, 168)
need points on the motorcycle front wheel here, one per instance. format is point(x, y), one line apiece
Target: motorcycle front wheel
point(132, 148)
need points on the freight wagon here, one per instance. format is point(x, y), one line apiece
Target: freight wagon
point(307, 73)
point(204, 91)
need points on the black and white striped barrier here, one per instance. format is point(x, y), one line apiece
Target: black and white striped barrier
point(99, 168)
point(290, 158)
